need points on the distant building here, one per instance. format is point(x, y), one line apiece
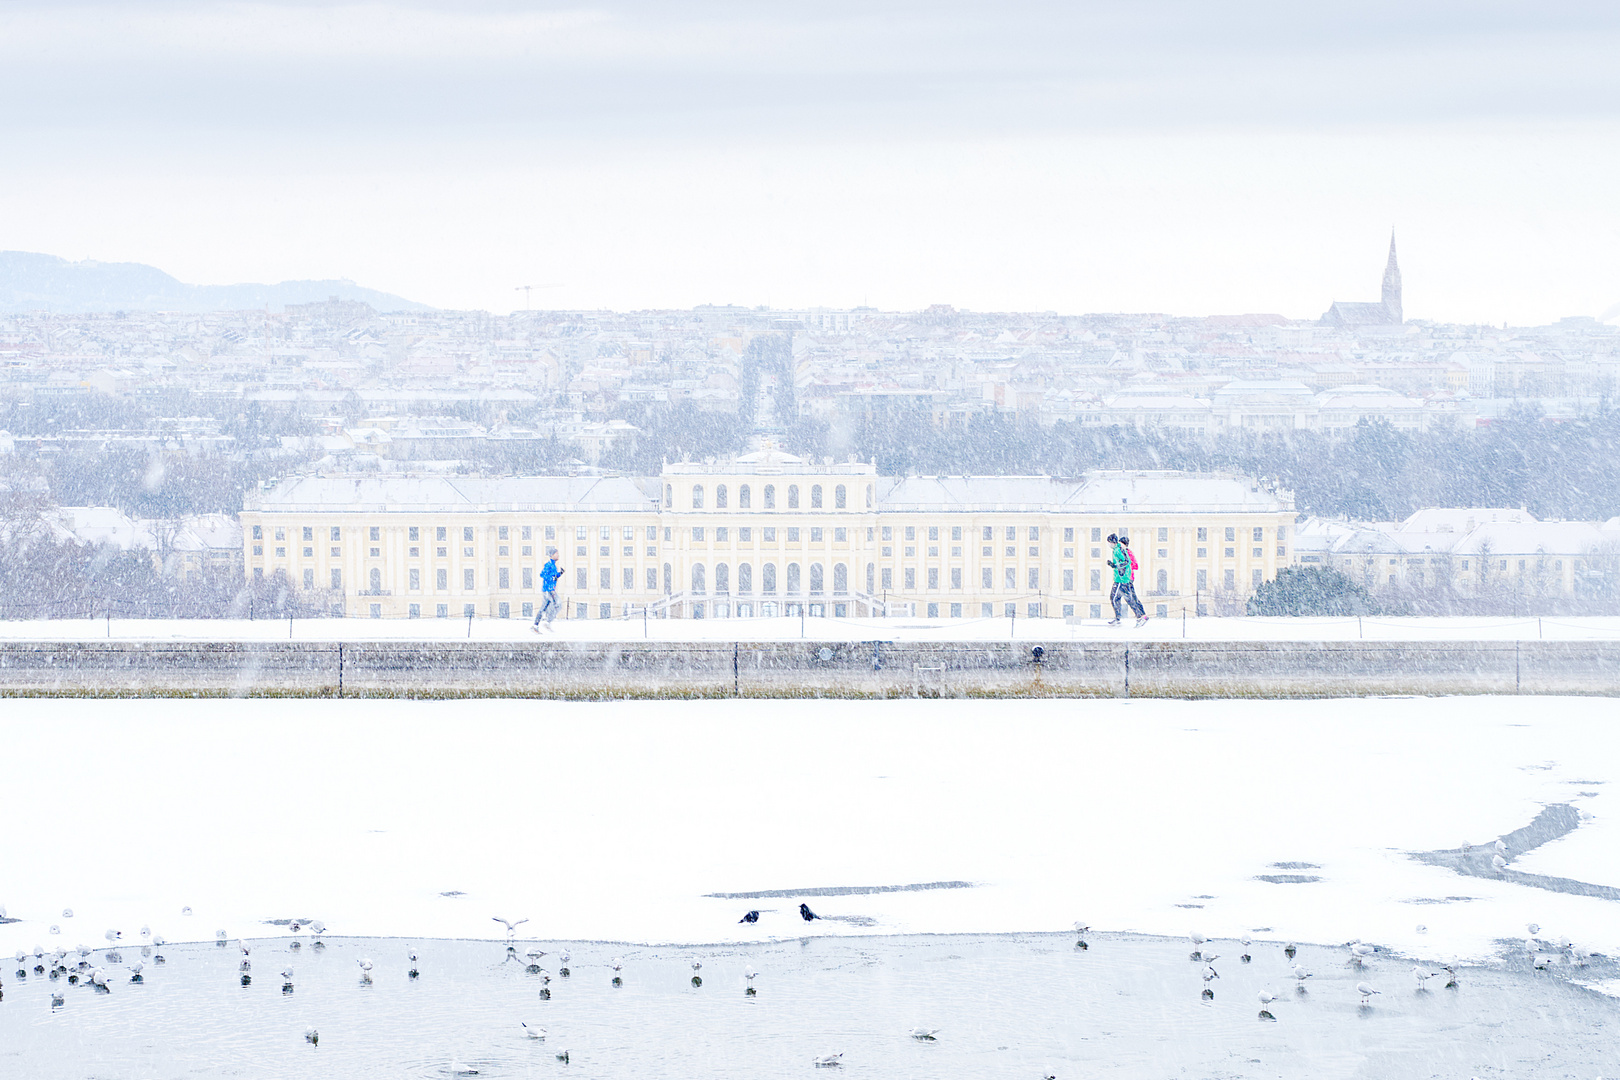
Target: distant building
point(769, 534)
point(1387, 312)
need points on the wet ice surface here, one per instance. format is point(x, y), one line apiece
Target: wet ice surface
point(1004, 1006)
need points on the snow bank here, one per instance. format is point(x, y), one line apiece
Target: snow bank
point(612, 821)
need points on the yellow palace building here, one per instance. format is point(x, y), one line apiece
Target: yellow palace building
point(767, 534)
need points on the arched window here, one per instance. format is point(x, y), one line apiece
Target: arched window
point(669, 579)
point(722, 578)
point(815, 496)
point(840, 579)
point(720, 496)
point(1164, 581)
point(871, 577)
point(869, 496)
point(816, 582)
point(376, 581)
point(699, 579)
point(669, 496)
point(745, 497)
point(793, 579)
point(793, 496)
point(768, 579)
point(697, 496)
point(770, 496)
point(745, 578)
point(839, 500)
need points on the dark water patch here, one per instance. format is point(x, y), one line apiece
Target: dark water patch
point(837, 890)
point(1553, 822)
point(1288, 879)
point(1441, 900)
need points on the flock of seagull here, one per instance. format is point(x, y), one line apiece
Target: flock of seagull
point(78, 967)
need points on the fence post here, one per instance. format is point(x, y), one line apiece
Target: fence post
point(736, 683)
point(340, 669)
point(1516, 666)
point(1127, 669)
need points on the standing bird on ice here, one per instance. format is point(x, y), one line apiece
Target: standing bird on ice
point(286, 980)
point(365, 971)
point(1198, 946)
point(411, 956)
point(1081, 928)
point(1266, 998)
point(1422, 977)
point(1300, 975)
point(1210, 972)
point(1499, 863)
point(1245, 958)
point(511, 927)
point(1501, 848)
point(751, 917)
point(1451, 976)
point(1359, 953)
point(806, 914)
point(1366, 991)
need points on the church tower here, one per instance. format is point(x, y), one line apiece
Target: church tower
point(1392, 283)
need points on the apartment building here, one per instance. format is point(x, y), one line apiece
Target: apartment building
point(768, 534)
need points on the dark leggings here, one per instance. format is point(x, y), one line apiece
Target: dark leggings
point(1126, 591)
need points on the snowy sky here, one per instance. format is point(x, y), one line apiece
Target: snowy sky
point(1080, 156)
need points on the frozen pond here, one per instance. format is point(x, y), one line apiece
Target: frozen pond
point(1004, 1005)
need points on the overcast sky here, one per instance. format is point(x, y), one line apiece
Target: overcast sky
point(1136, 155)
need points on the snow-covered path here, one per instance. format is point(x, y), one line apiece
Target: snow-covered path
point(613, 820)
point(1532, 628)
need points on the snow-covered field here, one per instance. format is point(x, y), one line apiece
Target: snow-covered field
point(613, 820)
point(1571, 628)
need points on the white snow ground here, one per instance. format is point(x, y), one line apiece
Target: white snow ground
point(611, 820)
point(1571, 628)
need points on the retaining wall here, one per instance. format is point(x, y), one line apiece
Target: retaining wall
point(808, 669)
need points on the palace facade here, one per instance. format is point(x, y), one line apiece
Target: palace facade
point(767, 534)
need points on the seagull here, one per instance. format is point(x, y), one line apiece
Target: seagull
point(1300, 975)
point(1500, 847)
point(57, 1001)
point(535, 952)
point(458, 1069)
point(135, 973)
point(312, 1037)
point(1210, 973)
point(563, 1057)
point(1534, 928)
point(185, 911)
point(1499, 863)
point(697, 965)
point(538, 1034)
point(616, 964)
point(1451, 976)
point(1245, 958)
point(1082, 928)
point(924, 1034)
point(751, 917)
point(365, 970)
point(1267, 997)
point(1366, 991)
point(67, 913)
point(55, 929)
point(511, 927)
point(286, 980)
point(1422, 977)
point(806, 914)
point(826, 1060)
point(317, 928)
point(750, 974)
point(146, 931)
point(113, 935)
point(1198, 945)
point(220, 936)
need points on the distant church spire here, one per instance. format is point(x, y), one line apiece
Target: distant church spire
point(1392, 283)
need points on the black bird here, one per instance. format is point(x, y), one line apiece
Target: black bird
point(751, 917)
point(806, 914)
